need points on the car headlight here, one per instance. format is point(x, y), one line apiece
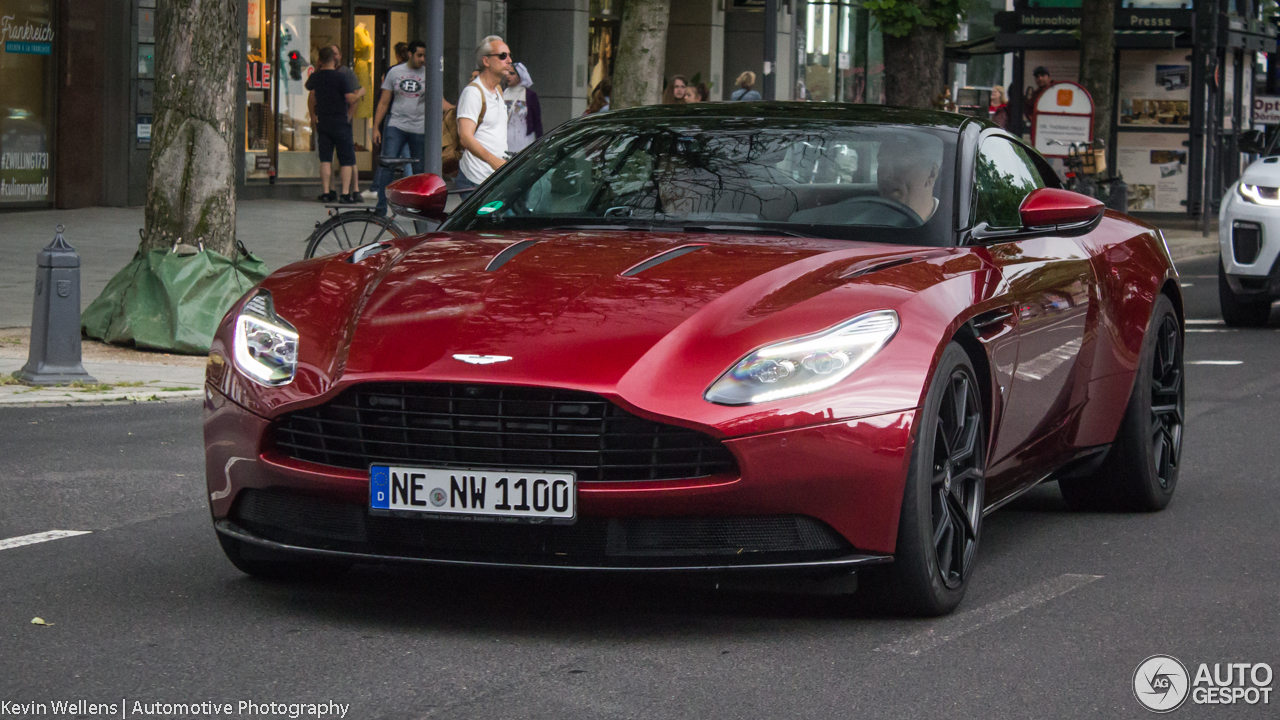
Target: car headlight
point(266, 345)
point(805, 364)
point(1260, 195)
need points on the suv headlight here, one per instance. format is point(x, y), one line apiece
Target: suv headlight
point(804, 364)
point(1260, 195)
point(266, 345)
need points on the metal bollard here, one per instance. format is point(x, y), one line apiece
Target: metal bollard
point(55, 319)
point(1119, 198)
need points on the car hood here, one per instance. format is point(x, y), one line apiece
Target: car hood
point(579, 309)
point(1264, 172)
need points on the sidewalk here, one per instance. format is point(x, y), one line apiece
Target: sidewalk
point(106, 239)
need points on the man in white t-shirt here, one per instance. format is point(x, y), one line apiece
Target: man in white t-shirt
point(482, 115)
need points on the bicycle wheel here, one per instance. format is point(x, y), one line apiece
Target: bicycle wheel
point(349, 230)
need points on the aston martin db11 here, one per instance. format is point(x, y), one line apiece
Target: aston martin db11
point(717, 338)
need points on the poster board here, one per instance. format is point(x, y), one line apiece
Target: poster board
point(1155, 88)
point(1155, 167)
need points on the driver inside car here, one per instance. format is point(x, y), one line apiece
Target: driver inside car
point(907, 170)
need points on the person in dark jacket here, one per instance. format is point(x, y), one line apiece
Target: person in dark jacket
point(524, 112)
point(333, 99)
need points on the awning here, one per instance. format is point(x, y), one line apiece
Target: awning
point(1064, 39)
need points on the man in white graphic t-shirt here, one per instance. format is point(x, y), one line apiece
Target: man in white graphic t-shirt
point(482, 115)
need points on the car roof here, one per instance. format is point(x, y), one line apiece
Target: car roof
point(792, 111)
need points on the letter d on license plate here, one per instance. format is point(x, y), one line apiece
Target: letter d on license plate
point(473, 493)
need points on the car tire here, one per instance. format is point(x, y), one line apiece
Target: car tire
point(269, 564)
point(1140, 471)
point(1237, 312)
point(942, 503)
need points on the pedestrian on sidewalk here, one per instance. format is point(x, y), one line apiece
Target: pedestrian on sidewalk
point(998, 109)
point(332, 98)
point(524, 112)
point(697, 93)
point(404, 95)
point(744, 93)
point(353, 83)
point(600, 97)
point(402, 56)
point(675, 92)
point(482, 115)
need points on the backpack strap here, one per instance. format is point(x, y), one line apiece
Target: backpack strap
point(484, 106)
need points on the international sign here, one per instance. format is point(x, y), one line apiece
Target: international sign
point(1266, 110)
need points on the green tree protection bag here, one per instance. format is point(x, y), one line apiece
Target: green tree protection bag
point(172, 302)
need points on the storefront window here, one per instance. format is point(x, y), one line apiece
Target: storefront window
point(844, 54)
point(26, 66)
point(259, 123)
point(606, 22)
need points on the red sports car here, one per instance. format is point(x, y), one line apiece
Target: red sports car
point(720, 338)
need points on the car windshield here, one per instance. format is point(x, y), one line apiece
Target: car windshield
point(855, 181)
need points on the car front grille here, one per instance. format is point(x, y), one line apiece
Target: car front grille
point(496, 427)
point(295, 519)
point(1246, 241)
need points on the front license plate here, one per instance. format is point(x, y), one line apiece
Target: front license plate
point(471, 492)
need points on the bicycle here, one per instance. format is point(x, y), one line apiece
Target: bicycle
point(337, 233)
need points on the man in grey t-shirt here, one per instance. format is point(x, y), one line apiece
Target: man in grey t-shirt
point(404, 95)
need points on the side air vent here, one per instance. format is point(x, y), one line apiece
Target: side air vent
point(509, 252)
point(659, 259)
point(1246, 241)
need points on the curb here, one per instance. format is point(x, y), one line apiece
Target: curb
point(49, 397)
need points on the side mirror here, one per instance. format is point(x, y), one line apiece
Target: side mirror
point(1253, 142)
point(1063, 209)
point(419, 196)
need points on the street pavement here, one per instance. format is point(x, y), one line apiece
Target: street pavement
point(1062, 609)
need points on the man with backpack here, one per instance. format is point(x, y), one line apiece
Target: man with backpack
point(405, 97)
point(482, 115)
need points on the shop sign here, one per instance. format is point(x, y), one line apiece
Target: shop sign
point(1069, 19)
point(26, 37)
point(1266, 110)
point(258, 75)
point(1063, 117)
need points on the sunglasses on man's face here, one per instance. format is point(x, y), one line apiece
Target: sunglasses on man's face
point(500, 56)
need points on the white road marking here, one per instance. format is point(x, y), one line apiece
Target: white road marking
point(1213, 330)
point(1215, 362)
point(1203, 322)
point(949, 629)
point(14, 542)
point(1188, 284)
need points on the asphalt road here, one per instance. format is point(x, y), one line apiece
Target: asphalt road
point(1063, 608)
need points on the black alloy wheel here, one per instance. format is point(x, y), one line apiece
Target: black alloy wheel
point(1140, 471)
point(1167, 402)
point(942, 500)
point(958, 479)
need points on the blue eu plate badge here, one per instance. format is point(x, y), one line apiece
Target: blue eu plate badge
point(379, 492)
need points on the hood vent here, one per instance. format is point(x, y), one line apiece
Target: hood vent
point(509, 252)
point(661, 258)
point(860, 270)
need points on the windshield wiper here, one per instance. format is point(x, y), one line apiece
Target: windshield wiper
point(757, 229)
point(605, 226)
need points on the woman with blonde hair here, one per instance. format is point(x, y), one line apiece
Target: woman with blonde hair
point(998, 110)
point(744, 93)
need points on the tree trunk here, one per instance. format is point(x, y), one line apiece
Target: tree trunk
point(913, 67)
point(1097, 60)
point(642, 51)
point(191, 186)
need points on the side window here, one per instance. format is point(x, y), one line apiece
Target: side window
point(1003, 176)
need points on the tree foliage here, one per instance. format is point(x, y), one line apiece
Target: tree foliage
point(897, 18)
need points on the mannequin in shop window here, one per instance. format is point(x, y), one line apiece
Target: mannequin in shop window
point(362, 52)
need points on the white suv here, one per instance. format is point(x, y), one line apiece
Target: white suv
point(1249, 238)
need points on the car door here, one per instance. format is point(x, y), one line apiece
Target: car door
point(1049, 284)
